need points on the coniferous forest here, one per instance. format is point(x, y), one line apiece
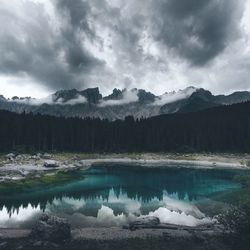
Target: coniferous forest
point(220, 129)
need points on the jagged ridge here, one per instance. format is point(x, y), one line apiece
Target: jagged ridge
point(120, 103)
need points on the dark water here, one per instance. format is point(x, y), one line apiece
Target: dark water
point(111, 196)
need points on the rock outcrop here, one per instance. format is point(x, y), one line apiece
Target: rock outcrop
point(51, 164)
point(51, 228)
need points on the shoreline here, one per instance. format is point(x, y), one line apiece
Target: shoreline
point(23, 167)
point(28, 168)
point(165, 163)
point(113, 233)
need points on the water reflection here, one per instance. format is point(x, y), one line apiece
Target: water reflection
point(110, 196)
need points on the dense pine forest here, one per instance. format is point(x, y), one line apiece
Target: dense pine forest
point(220, 129)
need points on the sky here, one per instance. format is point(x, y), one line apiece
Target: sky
point(156, 45)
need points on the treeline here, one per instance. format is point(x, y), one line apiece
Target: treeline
point(220, 129)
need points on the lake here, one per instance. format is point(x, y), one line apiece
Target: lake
point(106, 196)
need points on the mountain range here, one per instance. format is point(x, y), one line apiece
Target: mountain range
point(120, 103)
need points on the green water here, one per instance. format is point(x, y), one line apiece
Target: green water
point(112, 196)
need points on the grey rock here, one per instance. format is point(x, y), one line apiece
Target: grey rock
point(3, 245)
point(78, 164)
point(24, 173)
point(38, 243)
point(18, 157)
point(10, 157)
point(51, 164)
point(46, 156)
point(54, 245)
point(20, 247)
point(51, 228)
point(35, 157)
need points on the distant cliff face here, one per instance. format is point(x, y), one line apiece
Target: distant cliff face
point(120, 103)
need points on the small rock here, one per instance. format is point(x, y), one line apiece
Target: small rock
point(46, 156)
point(51, 164)
point(35, 157)
point(51, 228)
point(18, 157)
point(10, 157)
point(24, 173)
point(78, 164)
point(3, 245)
point(38, 243)
point(54, 245)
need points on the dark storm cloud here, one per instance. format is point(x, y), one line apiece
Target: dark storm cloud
point(198, 30)
point(77, 11)
point(106, 42)
point(53, 57)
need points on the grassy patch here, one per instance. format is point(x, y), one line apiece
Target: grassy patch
point(50, 179)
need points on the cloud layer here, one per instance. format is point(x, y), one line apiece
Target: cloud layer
point(158, 45)
point(127, 96)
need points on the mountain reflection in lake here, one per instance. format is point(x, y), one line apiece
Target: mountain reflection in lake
point(111, 196)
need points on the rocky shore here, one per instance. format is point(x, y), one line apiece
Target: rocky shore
point(51, 232)
point(139, 233)
point(15, 167)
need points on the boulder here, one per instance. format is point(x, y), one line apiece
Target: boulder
point(18, 157)
point(10, 156)
point(36, 157)
point(51, 164)
point(51, 228)
point(3, 245)
point(78, 164)
point(23, 173)
point(46, 156)
point(144, 222)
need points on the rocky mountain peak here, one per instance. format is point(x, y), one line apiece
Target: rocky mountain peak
point(121, 103)
point(2, 98)
point(202, 94)
point(65, 95)
point(116, 95)
point(145, 96)
point(92, 94)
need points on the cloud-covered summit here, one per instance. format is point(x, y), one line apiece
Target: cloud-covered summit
point(157, 45)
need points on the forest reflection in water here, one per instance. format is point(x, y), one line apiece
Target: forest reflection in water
point(109, 196)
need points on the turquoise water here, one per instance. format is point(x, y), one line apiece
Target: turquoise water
point(112, 196)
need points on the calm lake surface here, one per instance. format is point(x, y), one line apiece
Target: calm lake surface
point(107, 196)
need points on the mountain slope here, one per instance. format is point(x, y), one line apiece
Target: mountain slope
point(219, 129)
point(120, 103)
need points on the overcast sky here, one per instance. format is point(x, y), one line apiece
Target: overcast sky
point(158, 45)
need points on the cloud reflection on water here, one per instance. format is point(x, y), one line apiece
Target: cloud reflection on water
point(116, 211)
